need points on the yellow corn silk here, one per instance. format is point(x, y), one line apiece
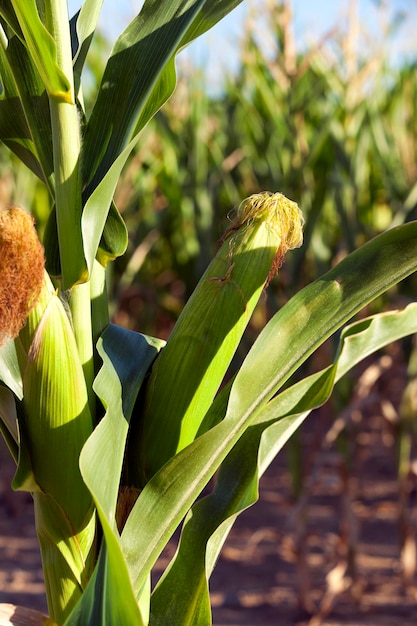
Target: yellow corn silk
point(279, 213)
point(283, 216)
point(190, 369)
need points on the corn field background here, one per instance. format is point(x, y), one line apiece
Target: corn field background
point(333, 125)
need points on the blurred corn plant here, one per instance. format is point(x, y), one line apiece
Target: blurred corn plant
point(319, 123)
point(179, 180)
point(313, 120)
point(115, 433)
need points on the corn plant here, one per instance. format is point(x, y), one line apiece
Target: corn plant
point(115, 433)
point(288, 119)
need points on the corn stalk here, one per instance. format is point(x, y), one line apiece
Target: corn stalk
point(116, 433)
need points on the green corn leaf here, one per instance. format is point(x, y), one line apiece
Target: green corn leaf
point(127, 100)
point(343, 291)
point(98, 208)
point(127, 357)
point(24, 109)
point(24, 478)
point(113, 242)
point(102, 603)
point(9, 368)
point(8, 421)
point(8, 414)
point(346, 288)
point(42, 50)
point(146, 46)
point(8, 14)
point(68, 554)
point(208, 523)
point(82, 26)
point(51, 245)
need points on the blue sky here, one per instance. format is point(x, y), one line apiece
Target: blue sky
point(216, 50)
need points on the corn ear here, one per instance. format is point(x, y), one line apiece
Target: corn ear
point(189, 370)
point(57, 419)
point(53, 427)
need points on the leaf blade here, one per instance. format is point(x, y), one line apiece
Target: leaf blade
point(207, 525)
point(167, 497)
point(126, 359)
point(127, 100)
point(42, 50)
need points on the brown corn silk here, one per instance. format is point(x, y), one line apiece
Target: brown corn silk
point(21, 270)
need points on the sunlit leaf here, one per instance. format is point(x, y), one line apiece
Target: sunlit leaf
point(42, 50)
point(9, 368)
point(127, 100)
point(71, 551)
point(24, 109)
point(83, 25)
point(285, 343)
point(8, 421)
point(183, 590)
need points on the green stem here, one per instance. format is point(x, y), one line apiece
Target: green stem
point(66, 148)
point(64, 589)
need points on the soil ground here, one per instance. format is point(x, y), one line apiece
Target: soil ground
point(332, 556)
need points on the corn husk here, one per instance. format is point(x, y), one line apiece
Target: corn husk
point(53, 428)
point(188, 372)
